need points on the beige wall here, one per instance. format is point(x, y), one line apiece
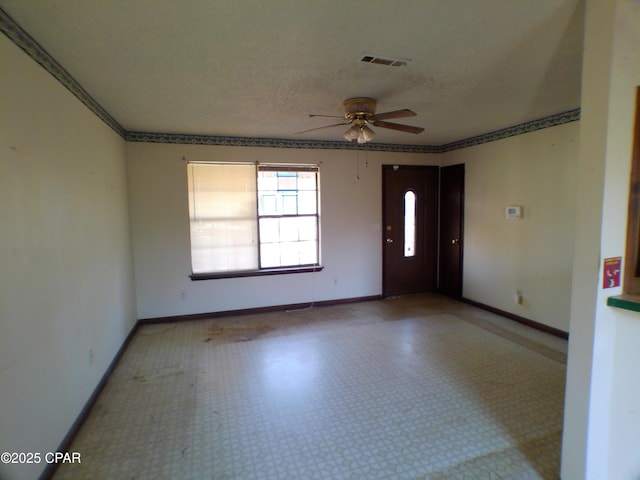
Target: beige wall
point(534, 254)
point(66, 277)
point(350, 211)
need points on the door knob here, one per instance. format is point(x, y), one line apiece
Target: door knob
point(389, 240)
point(455, 241)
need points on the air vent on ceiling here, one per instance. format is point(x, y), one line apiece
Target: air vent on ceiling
point(389, 62)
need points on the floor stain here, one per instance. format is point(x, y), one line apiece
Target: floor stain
point(237, 333)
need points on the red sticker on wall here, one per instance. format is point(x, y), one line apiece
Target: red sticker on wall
point(611, 276)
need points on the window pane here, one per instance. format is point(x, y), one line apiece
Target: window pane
point(270, 255)
point(409, 224)
point(269, 230)
point(287, 180)
point(307, 228)
point(290, 254)
point(289, 204)
point(307, 181)
point(308, 253)
point(267, 181)
point(288, 241)
point(287, 193)
point(268, 204)
point(307, 203)
point(289, 229)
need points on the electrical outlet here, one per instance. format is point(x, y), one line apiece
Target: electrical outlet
point(517, 297)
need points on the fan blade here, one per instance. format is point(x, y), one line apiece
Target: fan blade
point(395, 114)
point(328, 116)
point(322, 128)
point(397, 126)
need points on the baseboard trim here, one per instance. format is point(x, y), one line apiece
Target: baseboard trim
point(525, 321)
point(65, 445)
point(250, 311)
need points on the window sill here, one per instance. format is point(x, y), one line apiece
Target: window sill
point(625, 301)
point(256, 273)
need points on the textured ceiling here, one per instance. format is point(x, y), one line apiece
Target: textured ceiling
point(255, 68)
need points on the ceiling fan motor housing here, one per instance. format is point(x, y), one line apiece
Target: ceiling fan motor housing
point(359, 107)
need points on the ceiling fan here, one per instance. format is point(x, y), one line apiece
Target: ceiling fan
point(360, 113)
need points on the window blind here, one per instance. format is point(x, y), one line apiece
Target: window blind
point(222, 213)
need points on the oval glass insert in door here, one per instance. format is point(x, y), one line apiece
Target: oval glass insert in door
point(409, 224)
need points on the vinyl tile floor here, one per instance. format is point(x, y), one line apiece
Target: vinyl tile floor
point(414, 387)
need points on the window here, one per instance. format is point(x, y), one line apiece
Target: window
point(252, 219)
point(288, 216)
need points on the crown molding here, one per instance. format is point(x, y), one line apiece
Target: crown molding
point(25, 42)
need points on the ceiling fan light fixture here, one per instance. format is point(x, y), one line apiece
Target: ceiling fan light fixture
point(366, 134)
point(352, 133)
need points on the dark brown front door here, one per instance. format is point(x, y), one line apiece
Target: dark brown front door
point(410, 221)
point(451, 233)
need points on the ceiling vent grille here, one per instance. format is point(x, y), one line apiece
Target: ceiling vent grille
point(387, 62)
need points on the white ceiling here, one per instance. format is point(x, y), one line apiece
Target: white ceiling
point(256, 68)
